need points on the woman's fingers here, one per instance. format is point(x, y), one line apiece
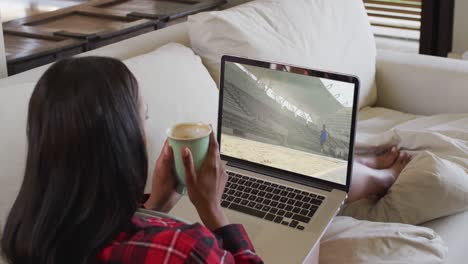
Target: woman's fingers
point(170, 153)
point(165, 160)
point(163, 148)
point(168, 156)
point(224, 178)
point(205, 189)
point(212, 157)
point(190, 175)
point(213, 142)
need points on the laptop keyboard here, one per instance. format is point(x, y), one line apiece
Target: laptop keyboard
point(273, 202)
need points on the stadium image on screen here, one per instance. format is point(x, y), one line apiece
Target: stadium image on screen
point(288, 120)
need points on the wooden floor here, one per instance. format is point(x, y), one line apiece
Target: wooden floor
point(13, 9)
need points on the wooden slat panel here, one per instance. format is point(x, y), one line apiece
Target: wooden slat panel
point(395, 26)
point(37, 40)
point(395, 17)
point(144, 6)
point(22, 46)
point(27, 31)
point(106, 13)
point(416, 3)
point(393, 10)
point(87, 22)
point(28, 19)
point(79, 23)
point(168, 9)
point(398, 1)
point(406, 10)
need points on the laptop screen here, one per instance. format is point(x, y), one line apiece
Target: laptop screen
point(282, 117)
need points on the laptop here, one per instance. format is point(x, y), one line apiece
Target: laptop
point(286, 134)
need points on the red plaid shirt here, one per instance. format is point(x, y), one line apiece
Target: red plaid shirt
point(164, 240)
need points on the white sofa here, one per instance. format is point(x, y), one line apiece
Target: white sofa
point(409, 83)
point(3, 66)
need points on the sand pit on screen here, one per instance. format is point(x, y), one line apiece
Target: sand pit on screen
point(284, 158)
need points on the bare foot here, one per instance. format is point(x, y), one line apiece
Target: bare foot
point(388, 176)
point(403, 160)
point(382, 161)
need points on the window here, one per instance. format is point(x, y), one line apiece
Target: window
point(424, 26)
point(396, 23)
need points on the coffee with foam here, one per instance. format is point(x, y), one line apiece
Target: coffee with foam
point(195, 137)
point(186, 131)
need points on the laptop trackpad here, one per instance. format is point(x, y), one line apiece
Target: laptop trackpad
point(252, 225)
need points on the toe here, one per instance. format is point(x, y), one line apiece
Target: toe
point(409, 157)
point(401, 158)
point(405, 158)
point(392, 155)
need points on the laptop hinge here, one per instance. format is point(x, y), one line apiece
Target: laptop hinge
point(281, 176)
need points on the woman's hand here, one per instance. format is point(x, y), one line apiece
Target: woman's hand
point(206, 188)
point(163, 195)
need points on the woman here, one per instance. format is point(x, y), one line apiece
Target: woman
point(85, 175)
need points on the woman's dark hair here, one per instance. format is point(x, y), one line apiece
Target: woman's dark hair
point(86, 165)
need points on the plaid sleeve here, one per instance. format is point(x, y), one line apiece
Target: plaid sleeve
point(229, 245)
point(162, 240)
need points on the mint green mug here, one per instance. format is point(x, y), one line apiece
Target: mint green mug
point(194, 136)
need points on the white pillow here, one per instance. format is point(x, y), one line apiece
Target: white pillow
point(177, 88)
point(319, 34)
point(351, 241)
point(428, 188)
point(14, 102)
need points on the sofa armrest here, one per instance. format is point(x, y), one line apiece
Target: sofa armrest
point(420, 84)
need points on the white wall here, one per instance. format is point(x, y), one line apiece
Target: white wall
point(460, 30)
point(3, 68)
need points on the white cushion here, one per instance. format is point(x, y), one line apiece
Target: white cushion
point(376, 121)
point(453, 230)
point(14, 102)
point(354, 242)
point(434, 184)
point(173, 82)
point(177, 88)
point(320, 34)
point(410, 82)
point(429, 187)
